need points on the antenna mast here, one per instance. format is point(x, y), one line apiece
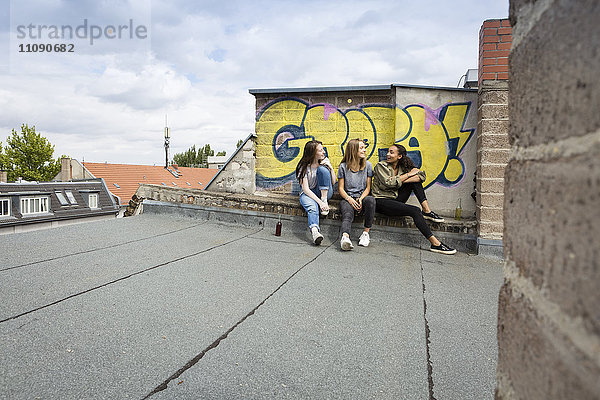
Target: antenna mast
point(167, 137)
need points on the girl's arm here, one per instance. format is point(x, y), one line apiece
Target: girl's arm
point(367, 190)
point(346, 196)
point(386, 176)
point(325, 162)
point(413, 176)
point(306, 190)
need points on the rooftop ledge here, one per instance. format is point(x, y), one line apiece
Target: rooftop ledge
point(275, 205)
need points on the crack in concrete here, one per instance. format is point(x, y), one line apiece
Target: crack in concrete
point(427, 331)
point(216, 343)
point(127, 277)
point(98, 249)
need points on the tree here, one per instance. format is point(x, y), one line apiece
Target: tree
point(28, 155)
point(239, 143)
point(195, 158)
point(188, 158)
point(221, 153)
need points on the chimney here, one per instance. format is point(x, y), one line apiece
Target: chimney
point(495, 39)
point(3, 176)
point(65, 169)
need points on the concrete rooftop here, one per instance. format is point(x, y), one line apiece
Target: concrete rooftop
point(209, 310)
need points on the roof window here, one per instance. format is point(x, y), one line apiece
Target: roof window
point(61, 199)
point(70, 197)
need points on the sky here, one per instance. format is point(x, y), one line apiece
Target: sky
point(125, 65)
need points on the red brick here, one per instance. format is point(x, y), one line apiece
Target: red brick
point(490, 31)
point(489, 46)
point(488, 76)
point(505, 22)
point(503, 75)
point(506, 38)
point(497, 53)
point(492, 23)
point(491, 39)
point(504, 46)
point(504, 31)
point(502, 61)
point(495, 68)
point(489, 61)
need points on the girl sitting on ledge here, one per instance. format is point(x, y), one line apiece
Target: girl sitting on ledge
point(394, 180)
point(316, 178)
point(354, 183)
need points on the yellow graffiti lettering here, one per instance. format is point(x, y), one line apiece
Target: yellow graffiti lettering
point(271, 121)
point(429, 145)
point(453, 121)
point(359, 127)
point(328, 127)
point(384, 121)
point(284, 127)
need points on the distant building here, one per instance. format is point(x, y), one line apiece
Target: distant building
point(217, 161)
point(26, 206)
point(123, 180)
point(469, 79)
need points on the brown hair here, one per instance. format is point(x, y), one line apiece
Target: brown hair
point(353, 162)
point(310, 150)
point(405, 163)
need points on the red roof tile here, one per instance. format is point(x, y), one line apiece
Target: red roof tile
point(128, 177)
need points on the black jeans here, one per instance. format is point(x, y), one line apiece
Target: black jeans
point(396, 208)
point(368, 207)
point(407, 188)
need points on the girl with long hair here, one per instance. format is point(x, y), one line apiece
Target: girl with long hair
point(354, 183)
point(393, 181)
point(316, 178)
point(414, 185)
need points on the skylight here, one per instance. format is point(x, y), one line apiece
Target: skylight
point(61, 199)
point(117, 185)
point(70, 197)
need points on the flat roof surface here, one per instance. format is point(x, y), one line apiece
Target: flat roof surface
point(165, 307)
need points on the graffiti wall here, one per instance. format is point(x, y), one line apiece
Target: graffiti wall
point(435, 136)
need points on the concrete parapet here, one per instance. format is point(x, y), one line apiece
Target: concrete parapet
point(548, 315)
point(459, 233)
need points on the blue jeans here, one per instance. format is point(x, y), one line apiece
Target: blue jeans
point(310, 206)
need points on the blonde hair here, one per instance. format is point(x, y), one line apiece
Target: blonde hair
point(351, 158)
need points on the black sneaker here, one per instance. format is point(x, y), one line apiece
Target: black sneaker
point(432, 216)
point(443, 249)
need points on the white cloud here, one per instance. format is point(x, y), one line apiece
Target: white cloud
point(108, 102)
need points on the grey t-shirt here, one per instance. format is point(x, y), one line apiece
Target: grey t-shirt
point(355, 182)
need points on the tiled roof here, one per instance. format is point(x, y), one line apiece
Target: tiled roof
point(124, 179)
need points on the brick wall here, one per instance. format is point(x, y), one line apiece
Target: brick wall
point(495, 37)
point(493, 148)
point(548, 315)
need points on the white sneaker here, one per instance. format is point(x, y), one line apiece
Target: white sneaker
point(364, 239)
point(346, 243)
point(317, 237)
